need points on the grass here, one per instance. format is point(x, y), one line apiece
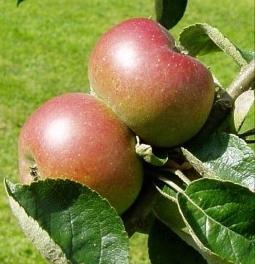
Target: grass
point(44, 48)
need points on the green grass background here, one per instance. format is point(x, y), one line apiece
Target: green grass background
point(44, 49)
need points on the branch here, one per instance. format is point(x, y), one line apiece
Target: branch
point(248, 133)
point(243, 82)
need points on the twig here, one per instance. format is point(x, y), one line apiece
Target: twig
point(248, 133)
point(178, 173)
point(182, 176)
point(171, 184)
point(243, 82)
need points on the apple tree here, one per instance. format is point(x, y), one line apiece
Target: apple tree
point(159, 147)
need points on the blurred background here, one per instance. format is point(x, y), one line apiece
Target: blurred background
point(44, 49)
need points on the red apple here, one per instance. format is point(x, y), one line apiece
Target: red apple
point(162, 95)
point(75, 136)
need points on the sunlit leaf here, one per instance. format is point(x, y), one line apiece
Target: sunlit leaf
point(224, 156)
point(201, 38)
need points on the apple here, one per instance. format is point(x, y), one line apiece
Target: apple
point(164, 96)
point(76, 136)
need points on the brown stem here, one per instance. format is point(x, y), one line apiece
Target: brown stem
point(243, 82)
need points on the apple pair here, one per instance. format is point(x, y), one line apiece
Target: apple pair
point(141, 84)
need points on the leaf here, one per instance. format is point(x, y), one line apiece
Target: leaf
point(155, 158)
point(247, 55)
point(165, 247)
point(242, 106)
point(167, 211)
point(248, 126)
point(249, 123)
point(68, 222)
point(201, 38)
point(225, 157)
point(19, 2)
point(169, 12)
point(221, 215)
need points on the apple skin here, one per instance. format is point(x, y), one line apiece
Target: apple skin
point(76, 136)
point(164, 96)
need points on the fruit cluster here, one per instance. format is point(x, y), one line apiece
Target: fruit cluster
point(140, 85)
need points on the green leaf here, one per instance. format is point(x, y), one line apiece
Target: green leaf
point(201, 38)
point(146, 152)
point(169, 12)
point(167, 211)
point(69, 222)
point(242, 107)
point(249, 125)
point(248, 55)
point(225, 157)
point(165, 247)
point(221, 215)
point(19, 2)
point(249, 122)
